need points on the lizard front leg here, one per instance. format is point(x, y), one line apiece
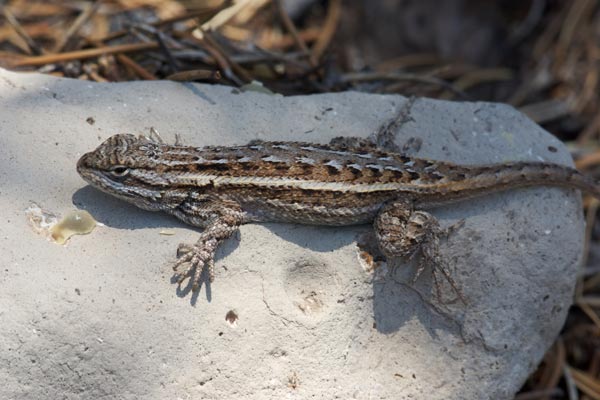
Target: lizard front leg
point(402, 232)
point(220, 219)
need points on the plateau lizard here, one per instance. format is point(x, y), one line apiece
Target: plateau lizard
point(342, 183)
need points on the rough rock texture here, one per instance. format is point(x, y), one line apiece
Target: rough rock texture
point(100, 317)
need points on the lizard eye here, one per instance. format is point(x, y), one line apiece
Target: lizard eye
point(119, 170)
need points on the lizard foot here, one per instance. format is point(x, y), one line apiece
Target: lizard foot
point(198, 257)
point(403, 232)
point(430, 255)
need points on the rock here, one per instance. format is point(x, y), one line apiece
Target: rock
point(292, 313)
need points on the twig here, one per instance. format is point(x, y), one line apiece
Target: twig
point(308, 35)
point(96, 77)
point(195, 75)
point(545, 111)
point(588, 94)
point(173, 64)
point(12, 20)
point(590, 220)
point(478, 77)
point(592, 301)
point(135, 67)
point(588, 161)
point(241, 72)
point(87, 13)
point(542, 394)
point(224, 15)
point(591, 130)
point(579, 9)
point(591, 314)
point(583, 285)
point(291, 28)
point(399, 76)
point(570, 382)
point(554, 361)
point(83, 54)
point(205, 12)
point(531, 21)
point(408, 61)
point(329, 27)
point(32, 29)
point(222, 62)
point(259, 56)
point(129, 63)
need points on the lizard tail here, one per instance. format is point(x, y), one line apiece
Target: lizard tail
point(478, 180)
point(522, 174)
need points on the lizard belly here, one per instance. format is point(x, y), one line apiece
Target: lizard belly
point(310, 207)
point(282, 211)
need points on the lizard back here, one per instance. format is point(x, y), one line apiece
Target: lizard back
point(301, 182)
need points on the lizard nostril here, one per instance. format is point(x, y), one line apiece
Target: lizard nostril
point(83, 162)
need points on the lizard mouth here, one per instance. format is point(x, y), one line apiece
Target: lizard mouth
point(93, 176)
point(100, 181)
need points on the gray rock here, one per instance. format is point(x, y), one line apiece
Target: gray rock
point(100, 317)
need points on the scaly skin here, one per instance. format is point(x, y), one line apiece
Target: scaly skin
point(220, 188)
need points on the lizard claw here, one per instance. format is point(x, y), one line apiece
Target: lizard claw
point(183, 248)
point(430, 255)
point(198, 259)
point(452, 228)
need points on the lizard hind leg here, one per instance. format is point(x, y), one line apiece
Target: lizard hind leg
point(402, 232)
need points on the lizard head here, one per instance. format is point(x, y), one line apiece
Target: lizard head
point(122, 167)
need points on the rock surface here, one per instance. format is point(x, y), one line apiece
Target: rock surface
point(292, 313)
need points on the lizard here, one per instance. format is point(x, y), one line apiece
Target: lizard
point(345, 182)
